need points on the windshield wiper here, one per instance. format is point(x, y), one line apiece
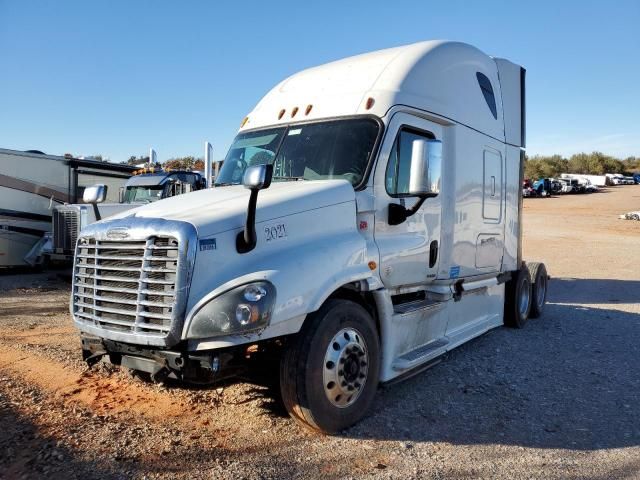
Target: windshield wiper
point(278, 177)
point(226, 184)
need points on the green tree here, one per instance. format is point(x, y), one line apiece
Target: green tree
point(544, 166)
point(183, 163)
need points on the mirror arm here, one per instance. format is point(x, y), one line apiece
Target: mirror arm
point(416, 207)
point(247, 239)
point(96, 211)
point(398, 214)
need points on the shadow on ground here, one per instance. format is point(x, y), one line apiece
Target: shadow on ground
point(594, 291)
point(27, 453)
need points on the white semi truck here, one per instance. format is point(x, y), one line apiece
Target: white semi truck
point(367, 220)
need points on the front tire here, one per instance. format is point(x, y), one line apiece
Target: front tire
point(517, 302)
point(329, 374)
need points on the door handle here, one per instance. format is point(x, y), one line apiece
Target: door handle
point(493, 186)
point(433, 253)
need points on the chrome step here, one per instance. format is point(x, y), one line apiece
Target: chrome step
point(409, 307)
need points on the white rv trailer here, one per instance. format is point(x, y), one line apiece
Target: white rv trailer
point(31, 185)
point(368, 220)
point(597, 180)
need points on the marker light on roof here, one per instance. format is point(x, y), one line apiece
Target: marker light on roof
point(370, 102)
point(294, 111)
point(244, 121)
point(281, 114)
point(308, 110)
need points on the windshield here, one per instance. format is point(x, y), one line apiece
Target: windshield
point(314, 151)
point(143, 193)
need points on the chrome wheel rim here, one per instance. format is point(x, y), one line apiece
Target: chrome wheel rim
point(524, 299)
point(541, 291)
point(346, 367)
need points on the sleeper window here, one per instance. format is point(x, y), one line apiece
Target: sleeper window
point(397, 177)
point(487, 91)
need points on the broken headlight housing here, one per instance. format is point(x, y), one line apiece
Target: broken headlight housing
point(243, 309)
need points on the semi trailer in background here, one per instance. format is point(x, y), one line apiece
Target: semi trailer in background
point(368, 219)
point(32, 184)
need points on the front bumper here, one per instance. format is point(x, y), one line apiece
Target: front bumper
point(204, 367)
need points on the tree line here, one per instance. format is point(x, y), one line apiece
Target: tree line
point(538, 166)
point(178, 163)
point(594, 163)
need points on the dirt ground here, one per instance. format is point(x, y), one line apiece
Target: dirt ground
point(559, 399)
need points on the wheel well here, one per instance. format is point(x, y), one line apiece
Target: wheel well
point(351, 292)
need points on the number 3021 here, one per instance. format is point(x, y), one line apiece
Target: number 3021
point(275, 232)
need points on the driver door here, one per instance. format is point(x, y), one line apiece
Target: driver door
point(408, 251)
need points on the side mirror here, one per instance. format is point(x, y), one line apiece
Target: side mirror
point(426, 167)
point(121, 195)
point(95, 194)
point(424, 177)
point(255, 179)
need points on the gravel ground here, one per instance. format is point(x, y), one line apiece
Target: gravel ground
point(559, 399)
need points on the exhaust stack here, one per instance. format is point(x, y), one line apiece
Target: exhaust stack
point(208, 158)
point(153, 157)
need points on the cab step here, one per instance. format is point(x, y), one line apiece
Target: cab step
point(420, 355)
point(422, 304)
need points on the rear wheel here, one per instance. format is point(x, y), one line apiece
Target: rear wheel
point(539, 278)
point(329, 375)
point(517, 302)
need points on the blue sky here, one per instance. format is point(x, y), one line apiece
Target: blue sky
point(117, 77)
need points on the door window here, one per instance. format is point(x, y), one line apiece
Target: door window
point(397, 176)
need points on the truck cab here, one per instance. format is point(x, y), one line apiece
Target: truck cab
point(366, 220)
point(145, 186)
point(148, 186)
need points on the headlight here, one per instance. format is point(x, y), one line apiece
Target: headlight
point(243, 309)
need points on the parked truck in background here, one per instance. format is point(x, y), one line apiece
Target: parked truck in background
point(147, 185)
point(368, 220)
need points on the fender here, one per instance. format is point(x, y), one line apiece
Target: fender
point(321, 252)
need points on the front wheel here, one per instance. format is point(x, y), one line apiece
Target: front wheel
point(329, 374)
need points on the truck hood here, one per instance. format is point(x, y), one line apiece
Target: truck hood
point(221, 209)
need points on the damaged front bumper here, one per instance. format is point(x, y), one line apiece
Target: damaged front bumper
point(205, 367)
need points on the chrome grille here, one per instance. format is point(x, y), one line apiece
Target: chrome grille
point(126, 286)
point(66, 226)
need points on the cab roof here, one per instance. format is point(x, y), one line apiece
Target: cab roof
point(436, 76)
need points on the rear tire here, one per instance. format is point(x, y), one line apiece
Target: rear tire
point(517, 301)
point(539, 278)
point(329, 374)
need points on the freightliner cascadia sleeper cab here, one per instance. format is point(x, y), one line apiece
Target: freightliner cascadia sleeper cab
point(366, 220)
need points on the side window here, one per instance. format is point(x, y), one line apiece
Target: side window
point(397, 177)
point(487, 91)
